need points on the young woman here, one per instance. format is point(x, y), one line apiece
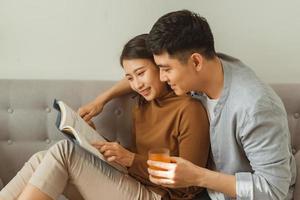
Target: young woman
point(160, 119)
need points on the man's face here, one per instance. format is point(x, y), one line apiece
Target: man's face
point(177, 74)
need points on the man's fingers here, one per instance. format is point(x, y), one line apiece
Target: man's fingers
point(161, 181)
point(162, 174)
point(175, 159)
point(162, 165)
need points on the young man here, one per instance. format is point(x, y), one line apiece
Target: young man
point(250, 139)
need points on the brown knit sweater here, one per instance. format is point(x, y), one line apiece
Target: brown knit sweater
point(178, 123)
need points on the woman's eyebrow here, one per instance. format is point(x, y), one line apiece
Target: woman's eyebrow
point(134, 71)
point(139, 68)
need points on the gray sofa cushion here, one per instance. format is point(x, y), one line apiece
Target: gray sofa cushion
point(27, 118)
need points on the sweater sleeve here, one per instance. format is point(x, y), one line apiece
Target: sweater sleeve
point(193, 139)
point(139, 165)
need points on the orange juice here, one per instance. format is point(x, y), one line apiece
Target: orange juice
point(161, 155)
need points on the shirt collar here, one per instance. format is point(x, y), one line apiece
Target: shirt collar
point(226, 87)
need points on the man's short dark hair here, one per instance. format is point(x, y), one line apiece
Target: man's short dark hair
point(181, 33)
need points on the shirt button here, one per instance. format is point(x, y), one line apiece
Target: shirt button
point(48, 110)
point(294, 151)
point(9, 142)
point(297, 115)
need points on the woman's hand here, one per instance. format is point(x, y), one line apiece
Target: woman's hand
point(91, 123)
point(178, 173)
point(88, 111)
point(113, 151)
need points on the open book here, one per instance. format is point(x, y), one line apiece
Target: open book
point(79, 132)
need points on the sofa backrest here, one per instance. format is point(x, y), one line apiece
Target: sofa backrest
point(27, 117)
point(290, 95)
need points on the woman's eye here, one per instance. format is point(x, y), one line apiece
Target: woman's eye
point(129, 79)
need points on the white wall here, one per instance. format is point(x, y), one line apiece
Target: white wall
point(82, 39)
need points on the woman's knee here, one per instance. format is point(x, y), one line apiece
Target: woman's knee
point(62, 148)
point(38, 155)
point(36, 158)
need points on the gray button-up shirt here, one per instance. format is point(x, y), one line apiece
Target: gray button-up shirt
point(250, 137)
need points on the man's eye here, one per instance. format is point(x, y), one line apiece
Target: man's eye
point(166, 70)
point(129, 79)
point(140, 73)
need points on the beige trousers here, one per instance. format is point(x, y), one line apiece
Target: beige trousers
point(67, 169)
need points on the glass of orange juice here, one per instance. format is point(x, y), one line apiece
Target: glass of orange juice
point(159, 154)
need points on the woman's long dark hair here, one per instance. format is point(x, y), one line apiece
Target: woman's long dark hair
point(136, 49)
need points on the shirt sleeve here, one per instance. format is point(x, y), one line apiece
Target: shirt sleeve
point(265, 139)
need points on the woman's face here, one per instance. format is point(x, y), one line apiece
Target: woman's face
point(143, 76)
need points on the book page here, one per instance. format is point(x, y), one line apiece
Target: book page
point(72, 123)
point(71, 120)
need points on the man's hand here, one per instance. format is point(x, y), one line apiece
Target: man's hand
point(113, 151)
point(88, 111)
point(178, 173)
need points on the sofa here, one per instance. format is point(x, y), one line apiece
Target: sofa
point(27, 117)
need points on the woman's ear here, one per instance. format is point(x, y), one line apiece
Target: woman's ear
point(197, 61)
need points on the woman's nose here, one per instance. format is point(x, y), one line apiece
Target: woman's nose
point(138, 84)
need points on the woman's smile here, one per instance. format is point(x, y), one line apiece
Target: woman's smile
point(145, 92)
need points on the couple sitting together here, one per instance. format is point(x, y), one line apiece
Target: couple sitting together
point(226, 130)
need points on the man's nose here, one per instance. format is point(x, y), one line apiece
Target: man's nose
point(162, 76)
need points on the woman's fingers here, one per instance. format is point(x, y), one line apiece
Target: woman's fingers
point(82, 111)
point(107, 146)
point(91, 123)
point(87, 117)
point(98, 144)
point(109, 153)
point(111, 158)
point(108, 149)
